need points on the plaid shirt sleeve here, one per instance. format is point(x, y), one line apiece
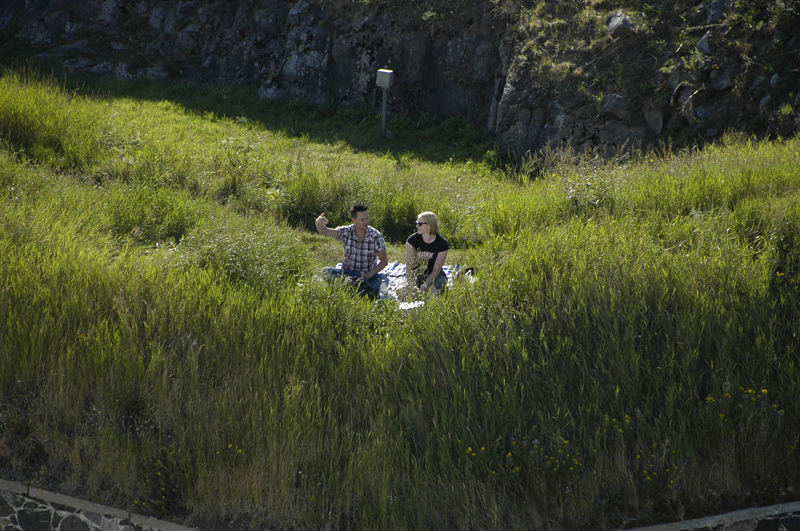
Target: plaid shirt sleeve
point(381, 243)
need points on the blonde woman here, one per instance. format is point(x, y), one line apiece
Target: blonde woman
point(426, 251)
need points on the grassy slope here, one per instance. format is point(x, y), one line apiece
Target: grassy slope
point(629, 351)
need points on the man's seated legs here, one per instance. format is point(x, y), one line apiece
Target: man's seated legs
point(335, 273)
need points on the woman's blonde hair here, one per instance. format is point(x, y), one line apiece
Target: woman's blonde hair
point(431, 220)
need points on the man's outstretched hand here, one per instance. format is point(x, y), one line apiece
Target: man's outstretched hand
point(322, 227)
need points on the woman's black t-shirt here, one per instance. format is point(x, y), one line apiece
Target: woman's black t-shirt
point(427, 251)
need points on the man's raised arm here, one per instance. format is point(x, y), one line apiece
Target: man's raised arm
point(322, 227)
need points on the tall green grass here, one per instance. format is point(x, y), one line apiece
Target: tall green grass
point(628, 352)
point(47, 124)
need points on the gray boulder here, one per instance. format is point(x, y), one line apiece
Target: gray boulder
point(654, 119)
point(724, 81)
point(615, 105)
point(674, 76)
point(106, 69)
point(154, 72)
point(82, 46)
point(156, 18)
point(46, 31)
point(715, 11)
point(758, 82)
point(122, 71)
point(77, 65)
point(109, 13)
point(620, 25)
point(184, 45)
point(35, 32)
point(703, 46)
point(702, 113)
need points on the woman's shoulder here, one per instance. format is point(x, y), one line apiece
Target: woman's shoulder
point(414, 238)
point(441, 240)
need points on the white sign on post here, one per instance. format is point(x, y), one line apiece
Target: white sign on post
point(384, 80)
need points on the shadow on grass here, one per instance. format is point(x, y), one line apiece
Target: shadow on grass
point(424, 137)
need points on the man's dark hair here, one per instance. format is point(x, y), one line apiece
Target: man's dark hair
point(355, 209)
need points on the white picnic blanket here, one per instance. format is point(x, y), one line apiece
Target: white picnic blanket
point(396, 272)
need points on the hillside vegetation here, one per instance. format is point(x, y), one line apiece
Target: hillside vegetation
point(628, 353)
point(533, 72)
point(566, 48)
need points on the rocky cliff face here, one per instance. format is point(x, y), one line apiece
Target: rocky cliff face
point(308, 49)
point(654, 82)
point(451, 59)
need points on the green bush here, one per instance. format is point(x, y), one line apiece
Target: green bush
point(306, 194)
point(259, 253)
point(150, 214)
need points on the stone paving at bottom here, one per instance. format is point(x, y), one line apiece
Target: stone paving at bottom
point(24, 508)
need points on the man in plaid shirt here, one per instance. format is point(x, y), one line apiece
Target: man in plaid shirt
point(363, 247)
